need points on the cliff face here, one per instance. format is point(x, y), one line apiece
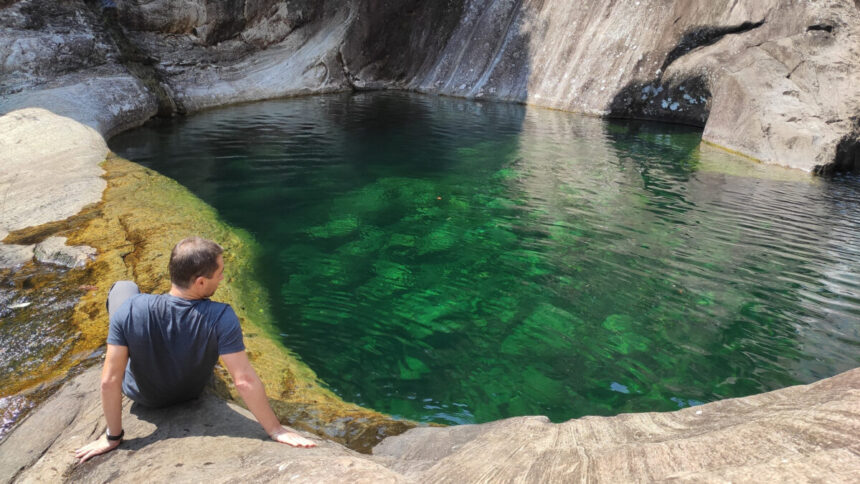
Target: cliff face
point(774, 80)
point(760, 77)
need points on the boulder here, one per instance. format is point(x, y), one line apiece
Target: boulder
point(12, 255)
point(54, 250)
point(50, 168)
point(107, 99)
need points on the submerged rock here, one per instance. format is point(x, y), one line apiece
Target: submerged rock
point(12, 255)
point(54, 250)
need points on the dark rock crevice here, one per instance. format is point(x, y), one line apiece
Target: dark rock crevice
point(825, 27)
point(704, 36)
point(678, 100)
point(390, 43)
point(140, 65)
point(847, 159)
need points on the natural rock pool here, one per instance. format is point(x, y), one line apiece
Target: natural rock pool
point(451, 261)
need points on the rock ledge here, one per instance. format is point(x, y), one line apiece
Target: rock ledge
point(797, 434)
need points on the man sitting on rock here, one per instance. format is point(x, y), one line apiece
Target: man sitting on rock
point(161, 349)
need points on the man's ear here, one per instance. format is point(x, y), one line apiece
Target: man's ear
point(199, 281)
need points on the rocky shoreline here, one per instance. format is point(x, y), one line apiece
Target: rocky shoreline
point(759, 77)
point(804, 433)
point(132, 228)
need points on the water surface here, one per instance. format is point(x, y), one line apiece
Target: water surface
point(455, 262)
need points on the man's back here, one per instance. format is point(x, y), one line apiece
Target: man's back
point(161, 349)
point(173, 344)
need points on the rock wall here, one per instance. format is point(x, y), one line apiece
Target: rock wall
point(760, 77)
point(774, 80)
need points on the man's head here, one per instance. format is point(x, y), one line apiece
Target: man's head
point(196, 266)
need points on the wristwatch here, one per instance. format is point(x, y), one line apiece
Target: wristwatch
point(114, 437)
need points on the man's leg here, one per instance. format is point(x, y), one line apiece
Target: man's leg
point(119, 292)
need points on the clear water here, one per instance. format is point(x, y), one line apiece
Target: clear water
point(451, 261)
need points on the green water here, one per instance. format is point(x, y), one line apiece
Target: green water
point(451, 261)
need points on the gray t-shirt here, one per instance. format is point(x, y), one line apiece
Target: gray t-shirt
point(173, 345)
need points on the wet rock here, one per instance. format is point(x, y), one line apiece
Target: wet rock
point(54, 250)
point(50, 168)
point(15, 255)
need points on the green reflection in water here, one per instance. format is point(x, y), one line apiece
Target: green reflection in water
point(451, 261)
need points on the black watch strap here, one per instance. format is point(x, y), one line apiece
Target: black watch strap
point(114, 437)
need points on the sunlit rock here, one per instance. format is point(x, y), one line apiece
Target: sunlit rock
point(12, 255)
point(49, 168)
point(54, 250)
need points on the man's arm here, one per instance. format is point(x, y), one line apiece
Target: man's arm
point(254, 395)
point(116, 359)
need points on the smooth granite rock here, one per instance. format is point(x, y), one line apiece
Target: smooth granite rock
point(207, 440)
point(49, 168)
point(774, 80)
point(60, 56)
point(54, 250)
point(798, 434)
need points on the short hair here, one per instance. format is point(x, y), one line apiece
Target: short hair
point(191, 258)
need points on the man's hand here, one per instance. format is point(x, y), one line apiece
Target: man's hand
point(287, 436)
point(93, 449)
point(254, 395)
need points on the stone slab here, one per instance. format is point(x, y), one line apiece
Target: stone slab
point(49, 168)
point(54, 250)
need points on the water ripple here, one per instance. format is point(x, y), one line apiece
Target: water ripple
point(452, 261)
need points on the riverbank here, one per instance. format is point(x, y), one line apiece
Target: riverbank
point(132, 228)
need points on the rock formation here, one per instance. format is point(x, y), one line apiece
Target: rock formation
point(54, 250)
point(50, 168)
point(773, 80)
point(48, 174)
point(797, 434)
